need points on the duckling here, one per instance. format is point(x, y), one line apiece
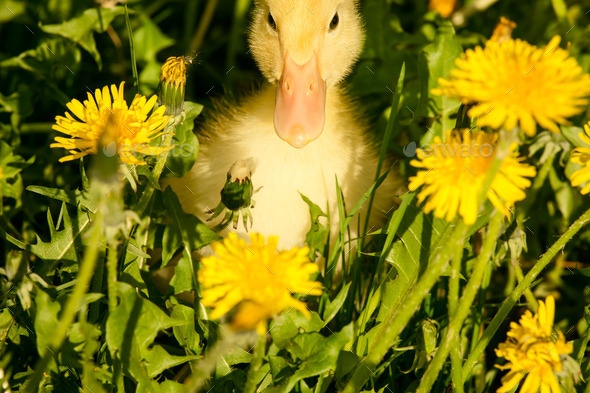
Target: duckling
point(299, 132)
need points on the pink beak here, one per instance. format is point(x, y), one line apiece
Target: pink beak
point(300, 103)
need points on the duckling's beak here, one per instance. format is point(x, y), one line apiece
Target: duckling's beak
point(300, 103)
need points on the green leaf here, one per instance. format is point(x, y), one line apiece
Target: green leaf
point(572, 135)
point(332, 307)
point(75, 198)
point(53, 58)
point(285, 327)
point(12, 9)
point(182, 281)
point(185, 334)
point(418, 238)
point(234, 355)
point(316, 355)
point(63, 244)
point(81, 28)
point(188, 229)
point(318, 233)
point(131, 329)
point(46, 320)
point(440, 58)
point(149, 40)
point(10, 167)
point(186, 145)
point(279, 368)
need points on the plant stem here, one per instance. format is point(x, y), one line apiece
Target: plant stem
point(112, 276)
point(519, 290)
point(454, 329)
point(453, 297)
point(528, 294)
point(480, 306)
point(146, 196)
point(83, 281)
point(398, 318)
point(255, 365)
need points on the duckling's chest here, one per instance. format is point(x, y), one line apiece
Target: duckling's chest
point(282, 174)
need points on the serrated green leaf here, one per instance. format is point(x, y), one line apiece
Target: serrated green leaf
point(75, 198)
point(133, 344)
point(318, 233)
point(316, 355)
point(64, 244)
point(287, 326)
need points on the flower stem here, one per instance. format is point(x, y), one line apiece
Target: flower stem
point(255, 365)
point(69, 313)
point(452, 335)
point(157, 172)
point(519, 290)
point(112, 276)
point(456, 364)
point(533, 304)
point(398, 318)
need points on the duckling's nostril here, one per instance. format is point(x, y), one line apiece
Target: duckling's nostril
point(287, 87)
point(311, 87)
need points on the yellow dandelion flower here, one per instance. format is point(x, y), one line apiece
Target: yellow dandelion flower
point(453, 172)
point(533, 352)
point(581, 155)
point(443, 7)
point(514, 83)
point(135, 129)
point(256, 280)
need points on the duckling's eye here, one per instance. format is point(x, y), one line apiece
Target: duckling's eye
point(272, 22)
point(334, 22)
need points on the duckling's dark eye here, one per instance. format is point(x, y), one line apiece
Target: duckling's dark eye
point(334, 22)
point(272, 22)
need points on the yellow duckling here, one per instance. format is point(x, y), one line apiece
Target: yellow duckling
point(299, 132)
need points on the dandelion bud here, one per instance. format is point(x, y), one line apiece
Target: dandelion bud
point(236, 196)
point(503, 30)
point(172, 84)
point(237, 191)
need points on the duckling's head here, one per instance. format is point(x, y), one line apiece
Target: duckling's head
point(304, 46)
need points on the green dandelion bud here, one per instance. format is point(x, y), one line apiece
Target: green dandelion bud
point(236, 197)
point(172, 84)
